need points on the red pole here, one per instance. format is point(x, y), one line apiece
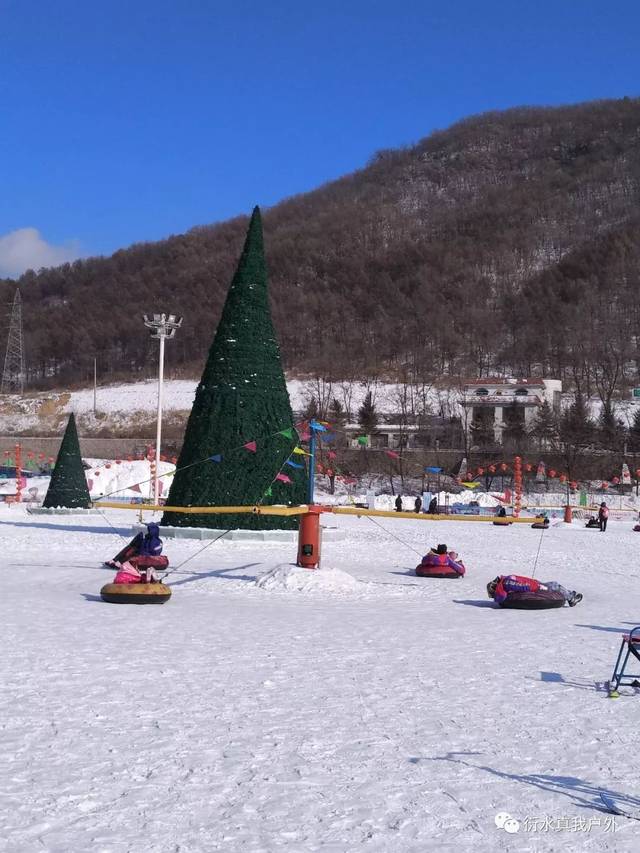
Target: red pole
point(517, 483)
point(18, 473)
point(309, 538)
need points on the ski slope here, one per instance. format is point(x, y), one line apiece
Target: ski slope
point(372, 710)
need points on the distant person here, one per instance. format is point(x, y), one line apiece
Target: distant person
point(433, 506)
point(603, 516)
point(502, 513)
point(417, 506)
point(399, 503)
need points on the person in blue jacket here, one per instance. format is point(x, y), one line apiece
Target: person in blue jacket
point(151, 544)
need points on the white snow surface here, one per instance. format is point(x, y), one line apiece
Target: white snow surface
point(239, 717)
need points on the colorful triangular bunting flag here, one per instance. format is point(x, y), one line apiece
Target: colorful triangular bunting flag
point(287, 433)
point(216, 458)
point(250, 445)
point(283, 478)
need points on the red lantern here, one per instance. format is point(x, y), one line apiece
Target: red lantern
point(563, 478)
point(503, 466)
point(492, 469)
point(552, 473)
point(51, 459)
point(480, 472)
point(30, 454)
point(329, 472)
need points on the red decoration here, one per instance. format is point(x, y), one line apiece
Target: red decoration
point(492, 469)
point(528, 467)
point(392, 454)
point(615, 480)
point(563, 478)
point(503, 466)
point(329, 472)
point(250, 446)
point(332, 454)
point(605, 486)
point(480, 472)
point(552, 473)
point(174, 459)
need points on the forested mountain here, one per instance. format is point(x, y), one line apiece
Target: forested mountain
point(509, 241)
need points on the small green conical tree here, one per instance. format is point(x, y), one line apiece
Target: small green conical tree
point(242, 397)
point(68, 486)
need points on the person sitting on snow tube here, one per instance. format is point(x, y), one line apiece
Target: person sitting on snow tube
point(541, 522)
point(439, 563)
point(143, 552)
point(504, 586)
point(128, 573)
point(593, 523)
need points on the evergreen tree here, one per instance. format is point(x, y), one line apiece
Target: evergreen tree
point(634, 432)
point(338, 419)
point(367, 415)
point(68, 486)
point(576, 433)
point(242, 397)
point(545, 427)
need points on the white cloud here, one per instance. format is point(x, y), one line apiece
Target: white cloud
point(25, 249)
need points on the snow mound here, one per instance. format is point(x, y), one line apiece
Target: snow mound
point(288, 578)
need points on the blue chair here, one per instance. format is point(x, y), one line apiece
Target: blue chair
point(630, 646)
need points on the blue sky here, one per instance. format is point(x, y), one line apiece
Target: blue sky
point(129, 121)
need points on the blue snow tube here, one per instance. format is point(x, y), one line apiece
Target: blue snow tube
point(541, 600)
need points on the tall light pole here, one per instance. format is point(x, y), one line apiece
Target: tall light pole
point(162, 326)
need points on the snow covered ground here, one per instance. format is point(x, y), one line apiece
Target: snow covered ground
point(390, 714)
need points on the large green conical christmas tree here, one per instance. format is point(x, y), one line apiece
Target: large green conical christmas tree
point(68, 486)
point(242, 398)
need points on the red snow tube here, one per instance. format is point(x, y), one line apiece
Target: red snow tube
point(424, 571)
point(541, 600)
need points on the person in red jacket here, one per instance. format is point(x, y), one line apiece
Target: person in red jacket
point(603, 516)
point(441, 558)
point(499, 588)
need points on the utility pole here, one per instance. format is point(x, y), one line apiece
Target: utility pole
point(162, 326)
